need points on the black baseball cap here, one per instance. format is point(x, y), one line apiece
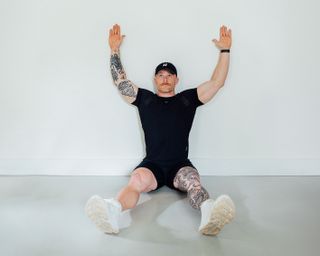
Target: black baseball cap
point(166, 66)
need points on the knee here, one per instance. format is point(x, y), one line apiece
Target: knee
point(135, 181)
point(142, 181)
point(187, 178)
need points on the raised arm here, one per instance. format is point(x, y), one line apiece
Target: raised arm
point(208, 89)
point(127, 89)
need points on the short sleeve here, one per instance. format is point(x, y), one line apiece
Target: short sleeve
point(192, 96)
point(142, 96)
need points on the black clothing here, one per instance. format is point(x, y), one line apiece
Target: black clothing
point(166, 122)
point(164, 172)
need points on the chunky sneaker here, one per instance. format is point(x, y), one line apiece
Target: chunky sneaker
point(215, 214)
point(104, 213)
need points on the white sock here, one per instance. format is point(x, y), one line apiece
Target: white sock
point(114, 202)
point(206, 209)
point(114, 209)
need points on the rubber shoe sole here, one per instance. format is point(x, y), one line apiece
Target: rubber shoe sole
point(222, 213)
point(96, 210)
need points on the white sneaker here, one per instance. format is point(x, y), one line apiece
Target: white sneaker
point(215, 214)
point(104, 213)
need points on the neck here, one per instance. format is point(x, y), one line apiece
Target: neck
point(166, 94)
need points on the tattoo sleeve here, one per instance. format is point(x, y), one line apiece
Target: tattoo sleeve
point(125, 86)
point(188, 180)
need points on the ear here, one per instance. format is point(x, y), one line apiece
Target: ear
point(177, 80)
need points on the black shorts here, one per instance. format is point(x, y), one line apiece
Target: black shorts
point(165, 172)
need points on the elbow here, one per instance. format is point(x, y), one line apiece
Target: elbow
point(118, 81)
point(217, 83)
point(220, 83)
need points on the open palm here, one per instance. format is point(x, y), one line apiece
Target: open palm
point(225, 39)
point(115, 37)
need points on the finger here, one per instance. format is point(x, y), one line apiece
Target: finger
point(216, 42)
point(118, 29)
point(221, 31)
point(110, 32)
point(114, 28)
point(224, 31)
point(229, 33)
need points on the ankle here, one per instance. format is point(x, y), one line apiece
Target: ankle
point(115, 202)
point(128, 198)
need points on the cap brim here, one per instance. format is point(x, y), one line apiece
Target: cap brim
point(166, 69)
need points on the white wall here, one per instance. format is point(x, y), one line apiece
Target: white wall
point(61, 114)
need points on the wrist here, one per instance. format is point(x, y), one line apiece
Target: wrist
point(115, 50)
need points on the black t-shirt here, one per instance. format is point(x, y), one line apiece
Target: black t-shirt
point(166, 123)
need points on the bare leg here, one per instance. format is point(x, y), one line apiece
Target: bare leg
point(187, 179)
point(142, 180)
point(105, 213)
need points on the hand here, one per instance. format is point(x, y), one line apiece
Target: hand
point(225, 38)
point(115, 37)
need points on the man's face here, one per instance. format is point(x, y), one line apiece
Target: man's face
point(165, 81)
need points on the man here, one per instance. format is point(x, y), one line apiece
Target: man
point(166, 119)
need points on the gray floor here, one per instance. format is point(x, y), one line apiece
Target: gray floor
point(45, 216)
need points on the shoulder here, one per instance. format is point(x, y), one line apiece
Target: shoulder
point(192, 95)
point(142, 95)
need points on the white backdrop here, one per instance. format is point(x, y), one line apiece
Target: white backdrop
point(61, 114)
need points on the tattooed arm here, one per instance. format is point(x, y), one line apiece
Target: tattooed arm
point(207, 90)
point(127, 89)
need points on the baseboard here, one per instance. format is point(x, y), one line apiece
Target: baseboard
point(123, 166)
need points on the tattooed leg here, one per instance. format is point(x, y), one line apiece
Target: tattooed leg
point(187, 179)
point(125, 86)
